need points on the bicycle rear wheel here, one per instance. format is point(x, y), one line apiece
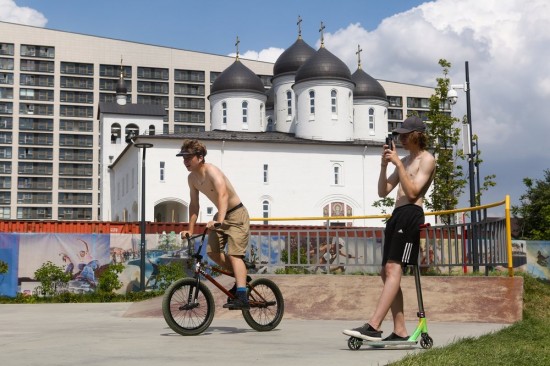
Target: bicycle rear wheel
point(184, 313)
point(266, 305)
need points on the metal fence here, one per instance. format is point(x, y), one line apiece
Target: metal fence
point(444, 249)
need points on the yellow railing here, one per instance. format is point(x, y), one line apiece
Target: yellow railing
point(505, 202)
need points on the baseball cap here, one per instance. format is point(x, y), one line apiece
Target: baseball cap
point(412, 123)
point(184, 152)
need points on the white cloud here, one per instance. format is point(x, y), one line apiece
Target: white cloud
point(10, 12)
point(506, 45)
point(267, 55)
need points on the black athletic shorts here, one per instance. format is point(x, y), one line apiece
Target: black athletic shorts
point(402, 235)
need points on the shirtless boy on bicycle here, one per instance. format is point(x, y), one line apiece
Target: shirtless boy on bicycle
point(231, 225)
point(412, 175)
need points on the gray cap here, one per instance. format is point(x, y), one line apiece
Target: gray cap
point(412, 123)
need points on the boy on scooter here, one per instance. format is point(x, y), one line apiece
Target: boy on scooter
point(413, 175)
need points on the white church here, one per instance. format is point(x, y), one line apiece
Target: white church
point(308, 147)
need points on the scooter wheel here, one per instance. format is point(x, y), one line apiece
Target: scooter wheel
point(426, 341)
point(354, 343)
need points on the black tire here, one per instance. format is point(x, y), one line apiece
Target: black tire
point(426, 341)
point(185, 317)
point(266, 305)
point(354, 343)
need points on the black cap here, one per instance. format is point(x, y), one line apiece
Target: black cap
point(412, 123)
point(184, 153)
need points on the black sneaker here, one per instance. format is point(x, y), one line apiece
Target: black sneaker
point(365, 332)
point(233, 290)
point(237, 304)
point(395, 338)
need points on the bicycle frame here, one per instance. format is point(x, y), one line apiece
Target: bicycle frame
point(200, 270)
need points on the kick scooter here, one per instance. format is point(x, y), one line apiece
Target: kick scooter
point(419, 334)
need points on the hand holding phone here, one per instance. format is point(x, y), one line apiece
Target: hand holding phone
point(389, 142)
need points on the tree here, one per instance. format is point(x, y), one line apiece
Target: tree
point(444, 136)
point(533, 213)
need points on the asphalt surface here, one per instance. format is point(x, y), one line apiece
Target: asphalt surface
point(100, 334)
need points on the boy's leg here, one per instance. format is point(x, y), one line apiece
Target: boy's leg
point(392, 281)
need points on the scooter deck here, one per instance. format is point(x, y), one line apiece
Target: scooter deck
point(355, 343)
point(389, 344)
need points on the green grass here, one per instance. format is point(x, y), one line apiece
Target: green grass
point(526, 342)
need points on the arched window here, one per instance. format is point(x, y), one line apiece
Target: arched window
point(130, 132)
point(115, 133)
point(311, 102)
point(265, 211)
point(151, 129)
point(371, 119)
point(289, 103)
point(333, 102)
point(224, 113)
point(245, 112)
point(337, 174)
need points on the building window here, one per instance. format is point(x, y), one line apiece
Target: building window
point(162, 171)
point(245, 115)
point(289, 103)
point(265, 211)
point(333, 103)
point(224, 113)
point(371, 120)
point(115, 133)
point(311, 102)
point(266, 173)
point(337, 174)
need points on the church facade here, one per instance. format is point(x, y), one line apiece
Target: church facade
point(309, 146)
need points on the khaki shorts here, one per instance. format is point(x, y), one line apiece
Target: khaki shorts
point(234, 233)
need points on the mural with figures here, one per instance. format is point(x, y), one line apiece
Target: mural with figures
point(85, 256)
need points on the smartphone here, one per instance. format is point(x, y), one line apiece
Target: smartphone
point(389, 142)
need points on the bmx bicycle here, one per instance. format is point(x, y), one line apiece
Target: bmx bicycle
point(188, 305)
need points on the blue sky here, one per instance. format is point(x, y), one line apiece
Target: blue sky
point(505, 41)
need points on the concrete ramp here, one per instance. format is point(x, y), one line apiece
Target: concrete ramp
point(348, 297)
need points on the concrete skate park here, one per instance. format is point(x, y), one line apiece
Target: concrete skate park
point(317, 309)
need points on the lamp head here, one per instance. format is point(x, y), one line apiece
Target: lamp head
point(452, 96)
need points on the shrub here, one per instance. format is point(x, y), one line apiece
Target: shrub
point(52, 277)
point(3, 267)
point(108, 280)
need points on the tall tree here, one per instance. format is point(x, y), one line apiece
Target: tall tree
point(444, 136)
point(533, 213)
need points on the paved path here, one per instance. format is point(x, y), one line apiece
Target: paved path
point(99, 334)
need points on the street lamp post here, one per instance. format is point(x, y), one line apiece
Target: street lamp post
point(452, 97)
point(144, 146)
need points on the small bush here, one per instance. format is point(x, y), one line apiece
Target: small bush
point(52, 277)
point(108, 280)
point(3, 267)
point(169, 273)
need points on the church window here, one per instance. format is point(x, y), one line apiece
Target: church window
point(289, 103)
point(265, 211)
point(333, 102)
point(245, 112)
point(371, 120)
point(224, 113)
point(311, 102)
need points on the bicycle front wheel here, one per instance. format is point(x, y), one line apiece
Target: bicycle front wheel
point(266, 305)
point(188, 309)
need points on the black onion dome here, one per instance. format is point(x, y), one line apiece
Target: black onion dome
point(237, 77)
point(367, 87)
point(323, 65)
point(270, 101)
point(121, 86)
point(293, 57)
